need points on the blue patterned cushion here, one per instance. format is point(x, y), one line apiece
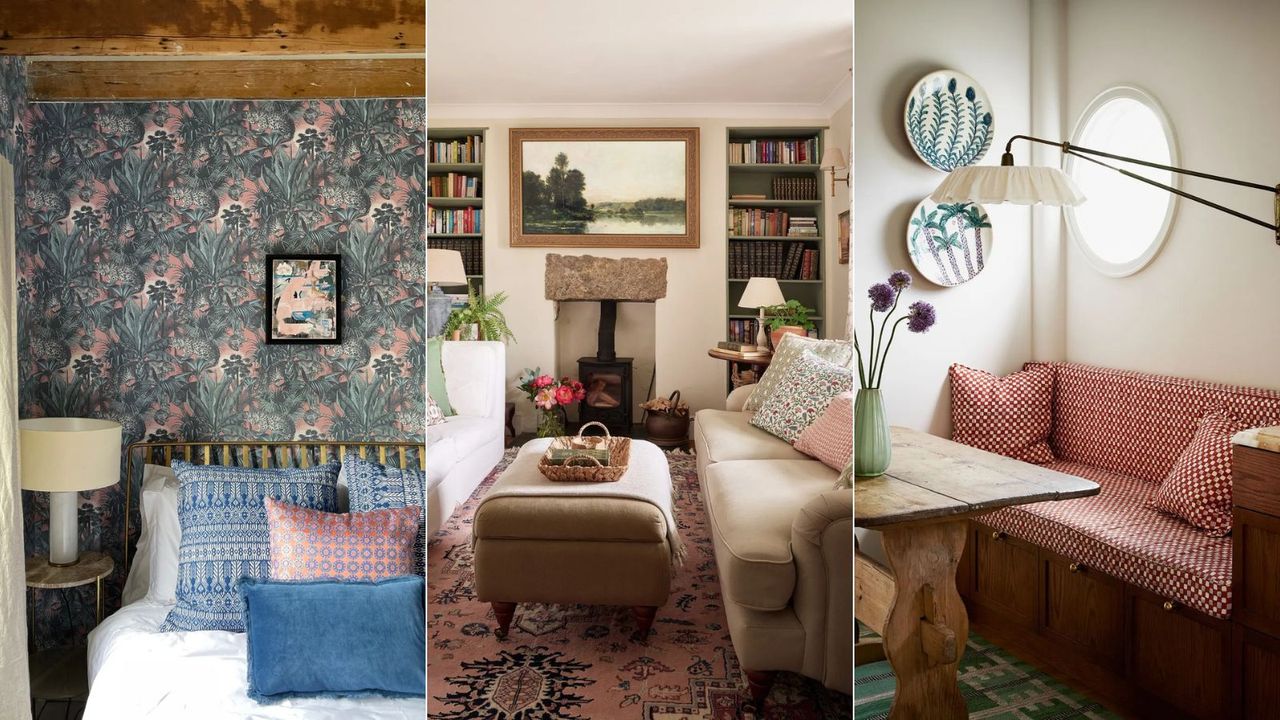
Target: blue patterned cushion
point(225, 535)
point(373, 486)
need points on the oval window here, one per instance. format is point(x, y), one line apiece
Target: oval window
point(1122, 222)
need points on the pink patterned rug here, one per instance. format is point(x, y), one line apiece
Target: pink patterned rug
point(575, 662)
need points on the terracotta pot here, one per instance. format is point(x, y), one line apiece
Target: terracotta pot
point(775, 337)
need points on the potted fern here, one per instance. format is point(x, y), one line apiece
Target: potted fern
point(789, 317)
point(480, 319)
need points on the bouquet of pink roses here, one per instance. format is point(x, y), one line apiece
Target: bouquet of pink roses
point(549, 395)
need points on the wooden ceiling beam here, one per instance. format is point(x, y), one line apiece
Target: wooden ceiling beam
point(230, 78)
point(211, 27)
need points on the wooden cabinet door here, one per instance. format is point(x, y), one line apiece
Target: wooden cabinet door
point(1255, 548)
point(1179, 655)
point(1006, 575)
point(1257, 663)
point(1085, 609)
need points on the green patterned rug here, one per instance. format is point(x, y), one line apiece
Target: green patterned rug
point(995, 685)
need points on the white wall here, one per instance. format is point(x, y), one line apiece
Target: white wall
point(986, 322)
point(1202, 307)
point(687, 322)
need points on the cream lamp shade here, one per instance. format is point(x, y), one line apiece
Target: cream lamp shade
point(444, 267)
point(1018, 184)
point(62, 456)
point(833, 158)
point(761, 292)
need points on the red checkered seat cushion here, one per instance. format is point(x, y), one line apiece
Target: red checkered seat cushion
point(1114, 532)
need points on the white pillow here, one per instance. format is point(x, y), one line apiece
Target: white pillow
point(153, 570)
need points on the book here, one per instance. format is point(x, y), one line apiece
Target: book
point(774, 152)
point(748, 196)
point(469, 149)
point(739, 347)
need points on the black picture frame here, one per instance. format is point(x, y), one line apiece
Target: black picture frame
point(272, 300)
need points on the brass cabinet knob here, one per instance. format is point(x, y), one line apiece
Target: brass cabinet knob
point(1170, 605)
point(997, 535)
point(1076, 567)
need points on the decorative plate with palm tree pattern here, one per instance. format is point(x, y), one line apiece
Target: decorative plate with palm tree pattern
point(948, 120)
point(949, 243)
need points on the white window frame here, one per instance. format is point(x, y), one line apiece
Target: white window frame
point(1102, 265)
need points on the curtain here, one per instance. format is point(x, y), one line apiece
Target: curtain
point(15, 700)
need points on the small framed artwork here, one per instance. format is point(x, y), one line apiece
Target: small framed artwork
point(304, 299)
point(604, 187)
point(844, 237)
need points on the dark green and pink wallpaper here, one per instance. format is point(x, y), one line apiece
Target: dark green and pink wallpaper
point(143, 231)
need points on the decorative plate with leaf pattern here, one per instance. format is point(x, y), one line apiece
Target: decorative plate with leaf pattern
point(948, 120)
point(949, 243)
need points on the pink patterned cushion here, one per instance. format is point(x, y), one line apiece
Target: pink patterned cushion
point(1138, 424)
point(1009, 415)
point(1113, 532)
point(1198, 488)
point(312, 545)
point(830, 437)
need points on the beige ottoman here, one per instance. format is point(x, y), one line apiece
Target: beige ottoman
point(586, 543)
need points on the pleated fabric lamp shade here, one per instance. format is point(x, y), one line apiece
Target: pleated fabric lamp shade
point(1017, 184)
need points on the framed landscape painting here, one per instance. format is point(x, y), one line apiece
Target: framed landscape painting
point(304, 299)
point(604, 187)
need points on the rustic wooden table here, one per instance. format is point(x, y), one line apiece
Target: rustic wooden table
point(922, 505)
point(755, 367)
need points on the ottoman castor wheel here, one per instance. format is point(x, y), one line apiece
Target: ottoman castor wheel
point(644, 615)
point(503, 612)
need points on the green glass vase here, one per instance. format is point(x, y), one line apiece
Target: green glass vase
point(872, 443)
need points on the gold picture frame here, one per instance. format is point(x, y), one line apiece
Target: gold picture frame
point(627, 197)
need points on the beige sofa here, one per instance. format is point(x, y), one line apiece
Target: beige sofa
point(784, 548)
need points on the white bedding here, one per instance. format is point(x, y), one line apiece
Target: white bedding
point(136, 673)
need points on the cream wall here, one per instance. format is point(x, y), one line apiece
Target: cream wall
point(692, 316)
point(1194, 311)
point(837, 275)
point(986, 322)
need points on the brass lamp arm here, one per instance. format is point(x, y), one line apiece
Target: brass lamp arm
point(1084, 154)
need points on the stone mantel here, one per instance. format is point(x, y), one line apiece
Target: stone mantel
point(590, 278)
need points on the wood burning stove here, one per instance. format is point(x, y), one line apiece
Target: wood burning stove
point(609, 399)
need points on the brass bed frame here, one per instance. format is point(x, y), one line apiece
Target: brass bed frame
point(255, 454)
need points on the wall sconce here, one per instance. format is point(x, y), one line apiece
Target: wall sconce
point(832, 161)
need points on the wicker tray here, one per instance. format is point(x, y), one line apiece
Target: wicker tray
point(585, 468)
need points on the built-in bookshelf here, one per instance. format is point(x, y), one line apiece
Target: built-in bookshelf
point(775, 219)
point(455, 197)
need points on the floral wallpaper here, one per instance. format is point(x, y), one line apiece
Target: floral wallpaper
point(141, 255)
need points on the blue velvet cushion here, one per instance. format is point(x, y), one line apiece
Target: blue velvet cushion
point(328, 638)
point(374, 486)
point(225, 537)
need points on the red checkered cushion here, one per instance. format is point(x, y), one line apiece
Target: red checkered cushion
point(1009, 415)
point(1115, 533)
point(1198, 488)
point(1138, 424)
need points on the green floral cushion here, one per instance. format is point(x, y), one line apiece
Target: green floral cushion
point(788, 351)
point(802, 394)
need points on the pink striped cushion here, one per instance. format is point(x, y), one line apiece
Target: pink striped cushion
point(1009, 415)
point(1198, 488)
point(313, 545)
point(830, 437)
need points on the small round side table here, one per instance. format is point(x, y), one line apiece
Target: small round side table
point(61, 673)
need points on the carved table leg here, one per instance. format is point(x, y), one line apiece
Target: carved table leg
point(503, 612)
point(927, 625)
point(644, 615)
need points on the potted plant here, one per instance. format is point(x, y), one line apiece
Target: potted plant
point(480, 319)
point(872, 442)
point(789, 317)
point(666, 420)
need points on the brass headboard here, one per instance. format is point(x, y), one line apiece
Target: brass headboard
point(257, 454)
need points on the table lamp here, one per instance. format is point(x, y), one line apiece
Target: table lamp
point(63, 456)
point(444, 267)
point(761, 292)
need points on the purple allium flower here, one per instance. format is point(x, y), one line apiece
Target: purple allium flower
point(900, 280)
point(921, 316)
point(882, 297)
